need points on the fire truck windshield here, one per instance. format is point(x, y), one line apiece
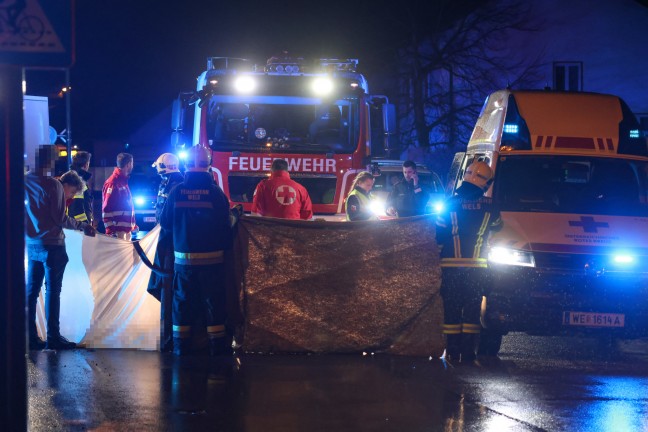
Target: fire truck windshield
point(572, 184)
point(282, 125)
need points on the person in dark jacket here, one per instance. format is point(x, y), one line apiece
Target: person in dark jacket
point(462, 231)
point(197, 217)
point(47, 258)
point(357, 204)
point(80, 207)
point(160, 286)
point(408, 197)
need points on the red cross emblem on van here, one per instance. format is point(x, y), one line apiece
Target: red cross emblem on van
point(588, 224)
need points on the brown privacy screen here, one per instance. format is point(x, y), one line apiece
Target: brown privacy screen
point(338, 287)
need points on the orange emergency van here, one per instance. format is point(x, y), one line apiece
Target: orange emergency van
point(571, 183)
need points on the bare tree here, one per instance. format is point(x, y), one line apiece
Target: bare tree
point(450, 55)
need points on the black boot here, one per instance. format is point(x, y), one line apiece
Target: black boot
point(453, 347)
point(35, 342)
point(181, 346)
point(58, 342)
point(220, 346)
point(469, 345)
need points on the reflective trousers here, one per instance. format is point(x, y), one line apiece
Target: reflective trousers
point(462, 289)
point(199, 299)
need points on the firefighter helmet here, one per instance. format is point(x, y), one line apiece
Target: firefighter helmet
point(479, 174)
point(167, 163)
point(198, 158)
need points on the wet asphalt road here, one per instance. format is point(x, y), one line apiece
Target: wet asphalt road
point(554, 384)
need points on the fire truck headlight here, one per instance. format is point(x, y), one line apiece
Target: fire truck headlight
point(245, 84)
point(501, 255)
point(322, 86)
point(378, 207)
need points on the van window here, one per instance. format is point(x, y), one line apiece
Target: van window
point(568, 184)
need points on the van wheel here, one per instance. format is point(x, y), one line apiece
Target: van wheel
point(490, 342)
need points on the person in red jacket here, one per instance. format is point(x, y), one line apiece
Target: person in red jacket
point(281, 197)
point(117, 208)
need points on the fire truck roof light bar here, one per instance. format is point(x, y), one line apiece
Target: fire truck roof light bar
point(228, 63)
point(340, 65)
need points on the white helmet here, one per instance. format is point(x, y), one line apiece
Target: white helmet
point(198, 158)
point(479, 174)
point(167, 163)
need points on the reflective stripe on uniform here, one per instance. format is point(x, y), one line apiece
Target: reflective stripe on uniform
point(198, 258)
point(117, 213)
point(217, 331)
point(81, 217)
point(181, 331)
point(455, 234)
point(480, 235)
point(451, 328)
point(471, 328)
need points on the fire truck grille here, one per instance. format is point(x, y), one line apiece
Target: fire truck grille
point(574, 262)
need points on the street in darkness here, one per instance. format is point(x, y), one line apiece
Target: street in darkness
point(537, 384)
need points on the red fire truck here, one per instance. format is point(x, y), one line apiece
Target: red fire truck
point(319, 116)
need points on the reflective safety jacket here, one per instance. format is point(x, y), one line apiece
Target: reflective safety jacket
point(167, 183)
point(357, 206)
point(197, 217)
point(80, 206)
point(281, 197)
point(117, 208)
point(462, 228)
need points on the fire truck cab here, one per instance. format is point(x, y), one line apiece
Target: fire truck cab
point(319, 116)
point(571, 184)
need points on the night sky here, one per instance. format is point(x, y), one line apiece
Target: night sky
point(134, 57)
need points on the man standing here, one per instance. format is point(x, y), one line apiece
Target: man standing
point(197, 216)
point(45, 219)
point(408, 197)
point(161, 286)
point(117, 208)
point(281, 197)
point(81, 206)
point(461, 232)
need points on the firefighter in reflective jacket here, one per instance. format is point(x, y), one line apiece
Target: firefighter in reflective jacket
point(197, 216)
point(461, 232)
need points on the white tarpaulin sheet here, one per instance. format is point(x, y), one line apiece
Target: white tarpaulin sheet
point(104, 302)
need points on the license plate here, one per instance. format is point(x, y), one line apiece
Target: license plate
point(593, 319)
point(149, 219)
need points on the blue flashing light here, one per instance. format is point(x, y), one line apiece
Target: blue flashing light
point(439, 206)
point(139, 201)
point(634, 133)
point(625, 259)
point(511, 128)
point(182, 155)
